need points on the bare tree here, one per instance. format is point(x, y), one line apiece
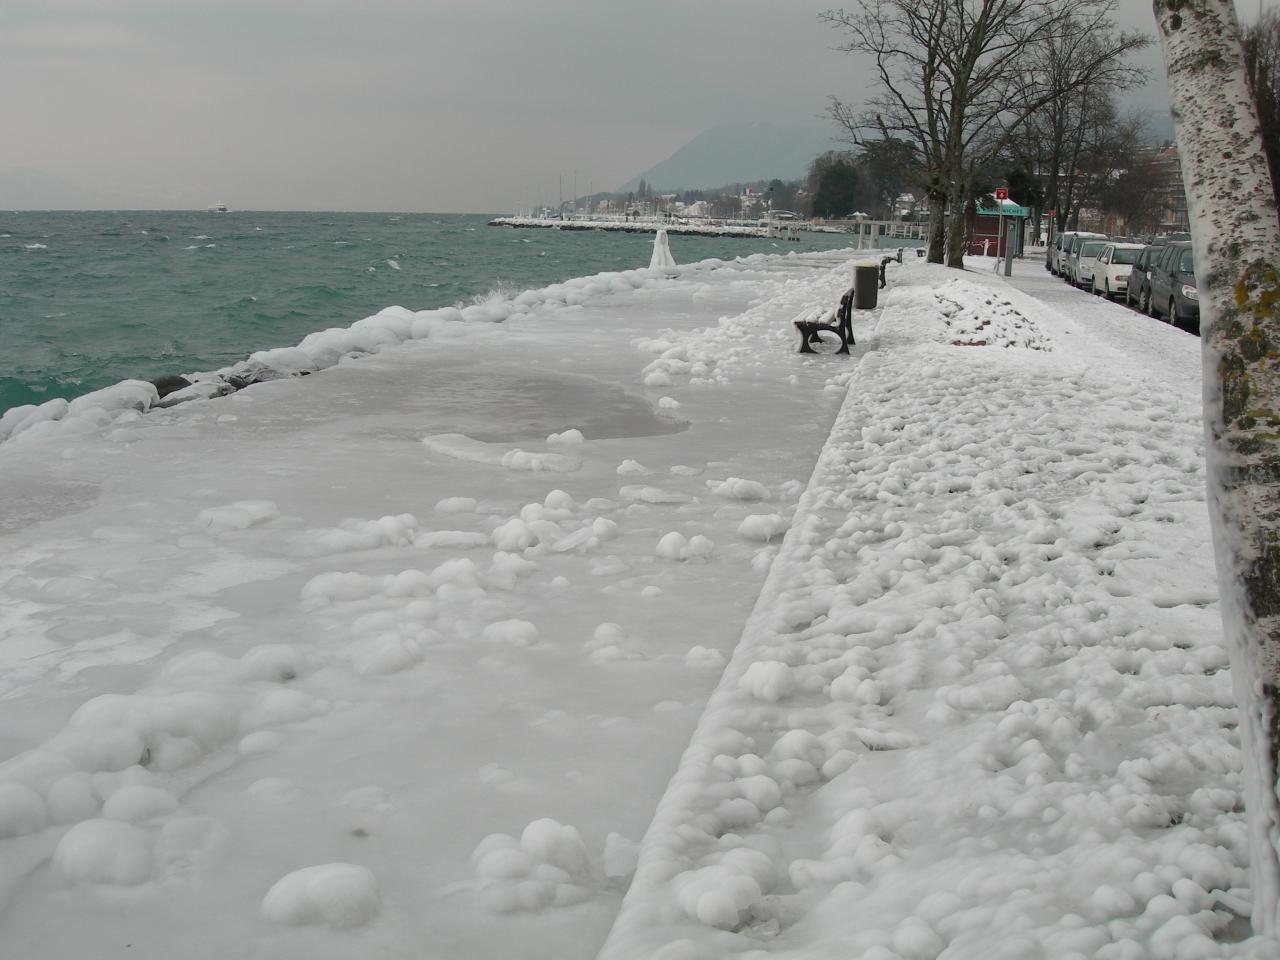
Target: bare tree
point(1062, 125)
point(1136, 194)
point(1236, 233)
point(1107, 150)
point(958, 79)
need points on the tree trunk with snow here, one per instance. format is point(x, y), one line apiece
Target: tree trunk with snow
point(937, 226)
point(1237, 247)
point(957, 232)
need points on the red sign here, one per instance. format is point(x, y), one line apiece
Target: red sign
point(1053, 212)
point(1002, 193)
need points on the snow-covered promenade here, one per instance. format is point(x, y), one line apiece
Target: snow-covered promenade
point(619, 628)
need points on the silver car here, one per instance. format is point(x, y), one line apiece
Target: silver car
point(1070, 271)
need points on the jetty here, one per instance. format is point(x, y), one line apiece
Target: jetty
point(705, 228)
point(865, 233)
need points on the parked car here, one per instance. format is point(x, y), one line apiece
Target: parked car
point(1078, 240)
point(1061, 247)
point(1174, 296)
point(1111, 275)
point(1050, 251)
point(1054, 254)
point(1086, 261)
point(1138, 292)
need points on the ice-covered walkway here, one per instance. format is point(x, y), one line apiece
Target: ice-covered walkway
point(396, 659)
point(374, 616)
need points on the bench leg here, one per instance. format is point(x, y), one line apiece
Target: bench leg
point(810, 333)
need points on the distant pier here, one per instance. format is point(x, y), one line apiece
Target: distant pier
point(863, 233)
point(710, 228)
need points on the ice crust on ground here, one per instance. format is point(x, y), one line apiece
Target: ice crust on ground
point(934, 627)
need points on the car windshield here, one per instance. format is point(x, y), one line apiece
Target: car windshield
point(1092, 249)
point(1187, 262)
point(1125, 255)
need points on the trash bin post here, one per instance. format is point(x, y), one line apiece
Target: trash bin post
point(866, 285)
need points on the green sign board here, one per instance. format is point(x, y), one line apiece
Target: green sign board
point(1010, 210)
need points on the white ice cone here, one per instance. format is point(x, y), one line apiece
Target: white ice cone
point(661, 258)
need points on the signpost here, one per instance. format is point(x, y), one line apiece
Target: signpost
point(1002, 194)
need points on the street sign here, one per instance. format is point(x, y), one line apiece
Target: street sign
point(1053, 213)
point(1002, 193)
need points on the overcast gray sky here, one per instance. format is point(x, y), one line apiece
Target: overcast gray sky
point(441, 105)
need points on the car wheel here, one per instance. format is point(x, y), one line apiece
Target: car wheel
point(1106, 289)
point(1173, 312)
point(1144, 303)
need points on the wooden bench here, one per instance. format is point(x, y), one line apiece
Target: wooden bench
point(838, 323)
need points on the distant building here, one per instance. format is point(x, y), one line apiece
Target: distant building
point(911, 206)
point(988, 227)
point(1175, 218)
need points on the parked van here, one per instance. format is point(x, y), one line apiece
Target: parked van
point(1138, 293)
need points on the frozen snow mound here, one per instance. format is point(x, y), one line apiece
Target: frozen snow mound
point(340, 895)
point(736, 488)
point(547, 867)
point(86, 414)
point(106, 852)
point(975, 316)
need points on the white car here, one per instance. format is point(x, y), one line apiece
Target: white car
point(1111, 272)
point(1072, 242)
point(1085, 260)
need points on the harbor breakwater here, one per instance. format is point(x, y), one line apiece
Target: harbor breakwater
point(650, 225)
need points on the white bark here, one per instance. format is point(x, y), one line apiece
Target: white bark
point(1237, 246)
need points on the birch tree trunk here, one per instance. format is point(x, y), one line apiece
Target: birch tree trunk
point(1237, 248)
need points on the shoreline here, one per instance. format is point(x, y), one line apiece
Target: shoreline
point(391, 326)
point(640, 226)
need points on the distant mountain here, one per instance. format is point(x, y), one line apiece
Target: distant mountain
point(738, 153)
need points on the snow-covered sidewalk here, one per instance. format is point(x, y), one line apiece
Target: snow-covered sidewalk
point(395, 660)
point(981, 709)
